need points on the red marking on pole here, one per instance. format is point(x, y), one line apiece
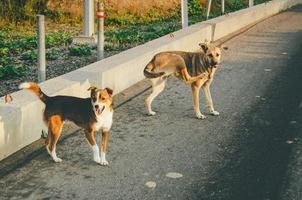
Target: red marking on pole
point(100, 14)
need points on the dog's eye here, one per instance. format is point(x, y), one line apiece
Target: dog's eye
point(210, 55)
point(217, 54)
point(102, 98)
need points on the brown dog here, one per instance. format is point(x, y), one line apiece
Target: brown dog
point(195, 68)
point(92, 114)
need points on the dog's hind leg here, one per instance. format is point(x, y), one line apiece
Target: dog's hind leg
point(189, 79)
point(195, 93)
point(158, 85)
point(48, 140)
point(55, 124)
point(208, 97)
point(95, 149)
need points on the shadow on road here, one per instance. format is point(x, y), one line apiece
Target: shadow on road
point(256, 166)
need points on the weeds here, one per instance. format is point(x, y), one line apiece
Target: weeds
point(29, 55)
point(52, 54)
point(11, 71)
point(79, 50)
point(58, 38)
point(16, 47)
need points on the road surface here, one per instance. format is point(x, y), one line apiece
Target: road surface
point(253, 150)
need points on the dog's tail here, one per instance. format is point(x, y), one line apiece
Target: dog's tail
point(149, 73)
point(33, 87)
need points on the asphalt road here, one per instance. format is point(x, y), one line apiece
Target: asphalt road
point(251, 151)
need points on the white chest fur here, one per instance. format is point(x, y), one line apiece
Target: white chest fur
point(104, 121)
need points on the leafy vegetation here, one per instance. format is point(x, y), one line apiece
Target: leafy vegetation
point(52, 54)
point(11, 71)
point(79, 50)
point(16, 48)
point(58, 38)
point(129, 36)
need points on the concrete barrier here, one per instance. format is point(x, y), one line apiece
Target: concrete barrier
point(227, 24)
point(21, 120)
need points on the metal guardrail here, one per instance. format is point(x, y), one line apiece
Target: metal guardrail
point(209, 4)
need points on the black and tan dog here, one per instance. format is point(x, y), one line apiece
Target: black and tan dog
point(92, 114)
point(195, 68)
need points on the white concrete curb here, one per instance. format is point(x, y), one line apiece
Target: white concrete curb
point(21, 121)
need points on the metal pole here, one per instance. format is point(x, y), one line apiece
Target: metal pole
point(41, 49)
point(251, 3)
point(101, 37)
point(208, 8)
point(184, 13)
point(222, 6)
point(88, 19)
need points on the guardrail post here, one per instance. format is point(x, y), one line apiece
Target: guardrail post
point(251, 3)
point(41, 48)
point(184, 13)
point(208, 8)
point(88, 18)
point(101, 37)
point(222, 6)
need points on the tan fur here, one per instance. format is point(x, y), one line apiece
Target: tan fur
point(104, 143)
point(197, 69)
point(55, 128)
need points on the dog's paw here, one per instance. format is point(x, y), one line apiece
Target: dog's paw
point(200, 116)
point(214, 112)
point(57, 160)
point(104, 163)
point(151, 113)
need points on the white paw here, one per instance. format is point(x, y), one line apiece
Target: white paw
point(57, 160)
point(151, 113)
point(214, 112)
point(104, 163)
point(200, 116)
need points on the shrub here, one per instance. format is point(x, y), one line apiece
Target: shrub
point(29, 55)
point(79, 50)
point(11, 71)
point(52, 55)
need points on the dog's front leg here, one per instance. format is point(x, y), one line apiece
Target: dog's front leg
point(104, 146)
point(208, 97)
point(95, 149)
point(195, 92)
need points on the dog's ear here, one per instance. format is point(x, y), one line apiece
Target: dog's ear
point(110, 91)
point(92, 88)
point(203, 46)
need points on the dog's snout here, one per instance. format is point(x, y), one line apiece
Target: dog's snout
point(96, 106)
